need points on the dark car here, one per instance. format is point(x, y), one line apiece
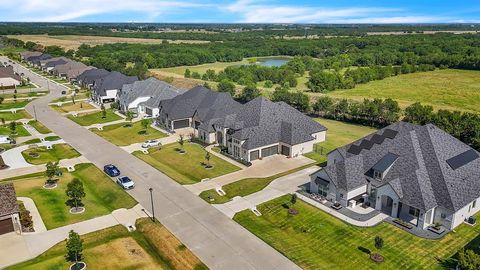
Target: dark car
point(111, 170)
point(64, 92)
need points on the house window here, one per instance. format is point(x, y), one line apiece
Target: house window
point(414, 211)
point(377, 175)
point(341, 195)
point(474, 203)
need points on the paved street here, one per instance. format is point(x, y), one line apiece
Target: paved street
point(217, 240)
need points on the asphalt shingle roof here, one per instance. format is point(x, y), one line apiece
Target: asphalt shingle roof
point(155, 89)
point(114, 80)
point(420, 175)
point(89, 76)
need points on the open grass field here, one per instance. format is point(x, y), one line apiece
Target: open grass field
point(338, 134)
point(11, 104)
point(20, 131)
point(150, 247)
point(122, 135)
point(243, 187)
point(315, 240)
point(70, 107)
point(58, 152)
point(87, 119)
point(73, 42)
point(102, 195)
point(444, 89)
point(39, 127)
point(9, 116)
point(185, 168)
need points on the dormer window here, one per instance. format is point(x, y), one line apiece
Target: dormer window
point(377, 175)
point(381, 168)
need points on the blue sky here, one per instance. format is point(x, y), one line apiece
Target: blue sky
point(248, 11)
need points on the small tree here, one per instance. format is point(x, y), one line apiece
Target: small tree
point(293, 199)
point(104, 111)
point(181, 141)
point(74, 248)
point(52, 170)
point(3, 121)
point(468, 260)
point(13, 127)
point(378, 242)
point(145, 123)
point(1, 100)
point(75, 193)
point(129, 117)
point(207, 158)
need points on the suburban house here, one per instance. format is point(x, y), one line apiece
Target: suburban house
point(250, 131)
point(49, 64)
point(63, 69)
point(144, 97)
point(74, 72)
point(105, 89)
point(419, 174)
point(9, 210)
point(35, 60)
point(8, 78)
point(25, 55)
point(87, 78)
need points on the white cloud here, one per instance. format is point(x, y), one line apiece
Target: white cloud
point(68, 10)
point(264, 12)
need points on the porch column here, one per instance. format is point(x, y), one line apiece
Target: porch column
point(395, 208)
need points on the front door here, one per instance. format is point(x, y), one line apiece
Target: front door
point(285, 150)
point(219, 138)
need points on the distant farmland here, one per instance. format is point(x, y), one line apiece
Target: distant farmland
point(73, 42)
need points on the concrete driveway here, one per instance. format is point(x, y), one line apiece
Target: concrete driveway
point(260, 168)
point(214, 238)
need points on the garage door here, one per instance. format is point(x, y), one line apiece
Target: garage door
point(6, 226)
point(285, 150)
point(254, 155)
point(270, 151)
point(180, 124)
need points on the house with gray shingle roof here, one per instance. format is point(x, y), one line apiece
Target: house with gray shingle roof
point(87, 78)
point(419, 174)
point(9, 210)
point(9, 78)
point(144, 97)
point(35, 59)
point(105, 88)
point(250, 131)
point(25, 55)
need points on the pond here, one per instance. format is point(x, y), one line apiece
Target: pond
point(273, 61)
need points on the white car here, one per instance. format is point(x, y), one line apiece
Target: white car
point(6, 139)
point(125, 182)
point(151, 143)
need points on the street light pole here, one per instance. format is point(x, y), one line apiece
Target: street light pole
point(151, 199)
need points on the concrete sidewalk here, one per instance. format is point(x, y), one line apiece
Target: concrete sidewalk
point(227, 159)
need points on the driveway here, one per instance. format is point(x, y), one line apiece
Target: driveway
point(214, 238)
point(260, 168)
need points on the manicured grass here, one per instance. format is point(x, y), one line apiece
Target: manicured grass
point(9, 116)
point(155, 248)
point(52, 138)
point(338, 134)
point(10, 104)
point(120, 134)
point(58, 152)
point(244, 187)
point(449, 89)
point(102, 195)
point(32, 141)
point(23, 95)
point(94, 118)
point(187, 168)
point(70, 107)
point(315, 240)
point(39, 127)
point(20, 131)
point(26, 86)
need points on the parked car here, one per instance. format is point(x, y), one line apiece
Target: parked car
point(6, 139)
point(111, 170)
point(125, 182)
point(151, 143)
point(64, 92)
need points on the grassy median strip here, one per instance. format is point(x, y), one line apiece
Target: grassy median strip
point(88, 119)
point(11, 104)
point(42, 155)
point(71, 107)
point(315, 240)
point(244, 187)
point(102, 195)
point(10, 116)
point(185, 168)
point(121, 134)
point(39, 127)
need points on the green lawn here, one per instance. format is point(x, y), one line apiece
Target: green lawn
point(52, 138)
point(70, 107)
point(315, 240)
point(39, 127)
point(444, 89)
point(10, 104)
point(32, 141)
point(20, 131)
point(338, 134)
point(152, 246)
point(187, 168)
point(88, 119)
point(23, 95)
point(122, 135)
point(102, 195)
point(243, 187)
point(9, 116)
point(58, 152)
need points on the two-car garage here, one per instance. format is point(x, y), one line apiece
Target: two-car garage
point(265, 152)
point(181, 123)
